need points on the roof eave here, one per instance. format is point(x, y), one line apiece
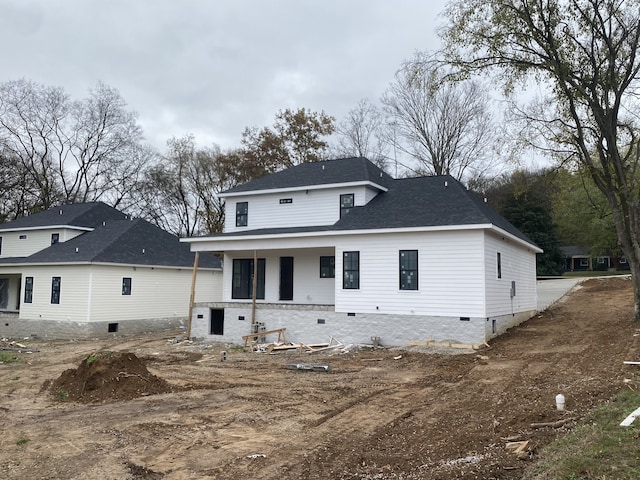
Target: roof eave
point(303, 188)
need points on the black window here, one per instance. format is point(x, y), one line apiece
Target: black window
point(351, 270)
point(408, 270)
point(499, 265)
point(242, 214)
point(55, 290)
point(126, 286)
point(0, 245)
point(242, 283)
point(55, 238)
point(346, 203)
point(328, 267)
point(286, 278)
point(28, 290)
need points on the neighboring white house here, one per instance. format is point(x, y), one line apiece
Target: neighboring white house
point(343, 250)
point(87, 269)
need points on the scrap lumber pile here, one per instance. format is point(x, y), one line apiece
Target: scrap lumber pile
point(255, 343)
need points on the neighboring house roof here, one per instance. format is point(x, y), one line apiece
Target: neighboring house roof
point(574, 251)
point(111, 237)
point(325, 172)
point(410, 203)
point(82, 215)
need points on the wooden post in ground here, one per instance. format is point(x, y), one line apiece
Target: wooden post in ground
point(254, 288)
point(193, 294)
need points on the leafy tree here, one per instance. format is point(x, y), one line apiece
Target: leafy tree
point(582, 214)
point(295, 137)
point(524, 198)
point(64, 150)
point(584, 53)
point(445, 126)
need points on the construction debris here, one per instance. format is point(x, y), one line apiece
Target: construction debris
point(629, 420)
point(308, 366)
point(444, 343)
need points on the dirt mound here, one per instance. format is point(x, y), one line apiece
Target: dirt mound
point(108, 377)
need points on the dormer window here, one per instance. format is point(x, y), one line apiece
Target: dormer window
point(346, 203)
point(242, 214)
point(55, 238)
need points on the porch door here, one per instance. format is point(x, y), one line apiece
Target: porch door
point(286, 278)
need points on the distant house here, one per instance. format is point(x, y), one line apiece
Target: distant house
point(340, 249)
point(578, 259)
point(87, 269)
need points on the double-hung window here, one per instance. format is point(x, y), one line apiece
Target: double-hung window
point(408, 270)
point(351, 270)
point(55, 290)
point(346, 203)
point(328, 267)
point(242, 214)
point(28, 290)
point(55, 238)
point(126, 285)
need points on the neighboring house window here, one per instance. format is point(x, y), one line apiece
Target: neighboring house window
point(242, 214)
point(28, 290)
point(408, 270)
point(584, 262)
point(242, 283)
point(126, 286)
point(351, 269)
point(623, 259)
point(346, 203)
point(55, 290)
point(55, 238)
point(328, 267)
point(499, 264)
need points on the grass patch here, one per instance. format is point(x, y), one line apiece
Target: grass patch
point(91, 358)
point(63, 394)
point(599, 448)
point(7, 357)
point(15, 379)
point(22, 441)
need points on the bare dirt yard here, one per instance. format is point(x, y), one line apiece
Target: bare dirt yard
point(151, 408)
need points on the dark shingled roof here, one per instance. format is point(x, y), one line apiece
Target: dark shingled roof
point(326, 172)
point(134, 242)
point(85, 215)
point(410, 202)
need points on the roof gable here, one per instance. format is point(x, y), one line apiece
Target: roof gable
point(82, 215)
point(325, 172)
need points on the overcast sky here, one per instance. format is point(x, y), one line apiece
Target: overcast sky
point(214, 67)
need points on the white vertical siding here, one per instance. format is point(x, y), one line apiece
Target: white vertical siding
point(36, 240)
point(450, 274)
point(308, 287)
point(307, 208)
point(519, 265)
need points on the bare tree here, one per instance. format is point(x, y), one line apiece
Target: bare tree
point(363, 134)
point(180, 193)
point(446, 126)
point(584, 54)
point(69, 151)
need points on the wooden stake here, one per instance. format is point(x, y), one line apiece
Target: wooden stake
point(254, 288)
point(193, 294)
